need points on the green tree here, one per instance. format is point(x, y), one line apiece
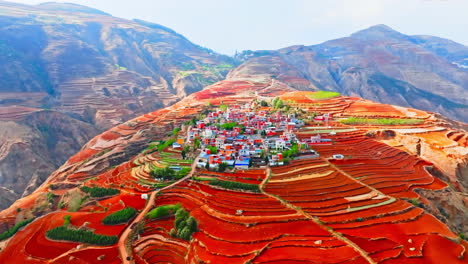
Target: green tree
point(278, 104)
point(99, 191)
point(11, 231)
point(119, 217)
point(222, 167)
point(181, 224)
point(229, 126)
point(213, 150)
point(173, 232)
point(223, 107)
point(181, 213)
point(175, 131)
point(187, 148)
point(235, 185)
point(163, 173)
point(66, 220)
point(163, 211)
point(192, 224)
point(80, 235)
point(185, 234)
point(196, 143)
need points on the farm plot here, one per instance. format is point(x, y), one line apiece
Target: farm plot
point(247, 176)
point(388, 169)
point(236, 227)
point(388, 229)
point(32, 246)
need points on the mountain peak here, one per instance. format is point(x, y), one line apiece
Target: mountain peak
point(70, 7)
point(379, 32)
point(381, 27)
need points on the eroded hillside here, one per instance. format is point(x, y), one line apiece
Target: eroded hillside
point(88, 66)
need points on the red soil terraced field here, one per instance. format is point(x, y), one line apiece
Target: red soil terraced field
point(261, 233)
point(134, 176)
point(320, 210)
point(120, 177)
point(304, 101)
point(108, 255)
point(460, 138)
point(254, 176)
point(236, 92)
point(31, 245)
point(388, 229)
point(390, 170)
point(118, 138)
point(366, 108)
point(349, 106)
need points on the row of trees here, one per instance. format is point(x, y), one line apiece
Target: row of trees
point(229, 125)
point(67, 233)
point(380, 121)
point(277, 103)
point(11, 231)
point(184, 152)
point(120, 217)
point(99, 191)
point(164, 144)
point(184, 225)
point(168, 174)
point(292, 152)
point(81, 236)
point(163, 211)
point(222, 167)
point(212, 149)
point(235, 185)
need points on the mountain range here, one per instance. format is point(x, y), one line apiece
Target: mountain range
point(69, 72)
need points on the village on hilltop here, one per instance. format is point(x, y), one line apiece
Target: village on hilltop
point(243, 136)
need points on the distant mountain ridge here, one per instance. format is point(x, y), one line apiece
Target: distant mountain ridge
point(377, 63)
point(71, 7)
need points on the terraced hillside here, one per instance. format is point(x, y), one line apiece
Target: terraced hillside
point(378, 203)
point(100, 68)
point(89, 66)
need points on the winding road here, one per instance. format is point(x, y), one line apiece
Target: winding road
point(127, 257)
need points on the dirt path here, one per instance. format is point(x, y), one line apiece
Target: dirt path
point(124, 254)
point(337, 235)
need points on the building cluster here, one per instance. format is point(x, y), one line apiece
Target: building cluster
point(242, 137)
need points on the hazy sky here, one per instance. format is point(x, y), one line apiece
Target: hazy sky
point(227, 26)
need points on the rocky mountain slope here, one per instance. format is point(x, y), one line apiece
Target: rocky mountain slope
point(377, 63)
point(94, 71)
point(32, 146)
point(315, 209)
point(99, 68)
